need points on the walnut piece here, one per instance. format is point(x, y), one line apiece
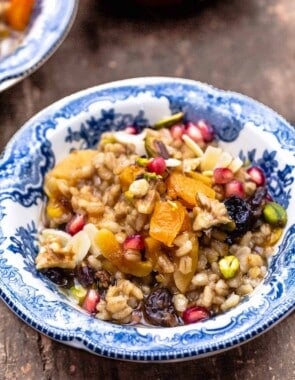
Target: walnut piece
point(209, 212)
point(59, 249)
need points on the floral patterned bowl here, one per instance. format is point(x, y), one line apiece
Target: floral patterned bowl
point(50, 23)
point(243, 126)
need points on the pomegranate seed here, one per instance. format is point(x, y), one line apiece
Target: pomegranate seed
point(234, 187)
point(206, 129)
point(222, 175)
point(194, 132)
point(131, 129)
point(257, 175)
point(157, 165)
point(195, 314)
point(177, 131)
point(76, 224)
point(91, 300)
point(134, 242)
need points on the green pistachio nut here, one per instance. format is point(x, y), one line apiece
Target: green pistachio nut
point(142, 161)
point(275, 214)
point(152, 176)
point(78, 292)
point(155, 147)
point(229, 266)
point(169, 121)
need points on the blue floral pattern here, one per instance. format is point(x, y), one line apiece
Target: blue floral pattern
point(24, 243)
point(279, 181)
point(91, 130)
point(77, 122)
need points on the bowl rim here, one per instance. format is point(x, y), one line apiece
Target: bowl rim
point(79, 341)
point(12, 72)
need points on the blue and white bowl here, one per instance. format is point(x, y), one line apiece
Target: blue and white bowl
point(49, 25)
point(243, 126)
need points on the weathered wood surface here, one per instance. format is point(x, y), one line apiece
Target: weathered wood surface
point(246, 46)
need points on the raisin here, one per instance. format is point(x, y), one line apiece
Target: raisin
point(104, 279)
point(85, 275)
point(159, 309)
point(240, 212)
point(257, 201)
point(60, 277)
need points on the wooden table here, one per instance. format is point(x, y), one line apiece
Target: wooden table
point(246, 46)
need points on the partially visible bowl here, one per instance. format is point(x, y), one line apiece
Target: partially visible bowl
point(244, 126)
point(49, 25)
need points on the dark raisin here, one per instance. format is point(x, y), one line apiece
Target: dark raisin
point(85, 275)
point(257, 201)
point(104, 279)
point(59, 276)
point(240, 212)
point(159, 309)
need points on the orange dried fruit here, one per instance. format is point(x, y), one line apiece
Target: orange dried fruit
point(18, 14)
point(73, 166)
point(166, 221)
point(128, 175)
point(187, 188)
point(112, 251)
point(186, 225)
point(201, 177)
point(153, 248)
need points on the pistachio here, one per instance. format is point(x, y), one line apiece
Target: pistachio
point(229, 266)
point(275, 214)
point(78, 292)
point(155, 147)
point(142, 161)
point(151, 176)
point(169, 121)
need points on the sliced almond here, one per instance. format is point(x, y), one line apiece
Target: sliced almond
point(190, 143)
point(79, 245)
point(172, 162)
point(50, 234)
point(91, 231)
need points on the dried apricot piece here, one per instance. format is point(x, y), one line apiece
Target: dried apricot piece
point(186, 225)
point(153, 248)
point(201, 177)
point(112, 251)
point(18, 14)
point(128, 175)
point(186, 188)
point(166, 221)
point(73, 166)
